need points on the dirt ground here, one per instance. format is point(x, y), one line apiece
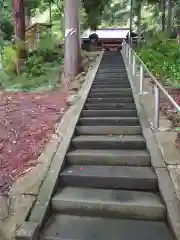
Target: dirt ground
point(29, 125)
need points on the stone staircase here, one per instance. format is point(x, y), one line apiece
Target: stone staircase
point(107, 189)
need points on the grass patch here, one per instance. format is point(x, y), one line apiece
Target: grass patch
point(49, 80)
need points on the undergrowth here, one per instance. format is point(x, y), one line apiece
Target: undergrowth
point(41, 70)
point(162, 57)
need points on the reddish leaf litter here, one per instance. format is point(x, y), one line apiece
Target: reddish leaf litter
point(27, 122)
point(171, 112)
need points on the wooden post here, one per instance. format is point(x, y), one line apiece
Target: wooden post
point(71, 40)
point(80, 59)
point(19, 29)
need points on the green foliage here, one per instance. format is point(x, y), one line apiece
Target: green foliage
point(42, 67)
point(9, 59)
point(6, 25)
point(94, 10)
point(162, 56)
point(47, 52)
point(48, 81)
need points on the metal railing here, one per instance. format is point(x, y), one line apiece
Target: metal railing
point(133, 62)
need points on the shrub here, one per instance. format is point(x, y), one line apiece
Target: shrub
point(9, 59)
point(41, 67)
point(162, 56)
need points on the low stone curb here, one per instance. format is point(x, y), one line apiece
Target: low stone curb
point(29, 230)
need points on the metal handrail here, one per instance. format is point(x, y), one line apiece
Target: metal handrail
point(129, 53)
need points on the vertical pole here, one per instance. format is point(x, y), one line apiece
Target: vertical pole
point(38, 33)
point(19, 30)
point(156, 107)
point(134, 65)
point(1, 39)
point(71, 18)
point(141, 79)
point(123, 48)
point(131, 21)
point(129, 56)
point(1, 67)
point(127, 49)
point(50, 18)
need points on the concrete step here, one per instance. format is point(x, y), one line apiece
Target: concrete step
point(109, 142)
point(110, 100)
point(111, 81)
point(110, 94)
point(114, 79)
point(69, 227)
point(108, 203)
point(112, 73)
point(117, 77)
point(108, 130)
point(109, 106)
point(122, 86)
point(110, 84)
point(109, 121)
point(109, 157)
point(115, 177)
point(114, 69)
point(106, 113)
point(112, 64)
point(110, 78)
point(111, 90)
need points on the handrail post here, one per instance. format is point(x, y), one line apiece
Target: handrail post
point(129, 56)
point(127, 51)
point(134, 65)
point(141, 79)
point(156, 107)
point(125, 48)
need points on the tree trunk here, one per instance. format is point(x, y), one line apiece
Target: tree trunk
point(139, 23)
point(177, 17)
point(131, 22)
point(71, 40)
point(27, 16)
point(19, 29)
point(19, 19)
point(169, 18)
point(80, 59)
point(163, 17)
point(50, 17)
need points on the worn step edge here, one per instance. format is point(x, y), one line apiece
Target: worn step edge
point(110, 94)
point(110, 100)
point(101, 121)
point(61, 227)
point(110, 106)
point(117, 177)
point(110, 85)
point(109, 157)
point(109, 142)
point(110, 90)
point(108, 203)
point(109, 130)
point(113, 113)
point(111, 81)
